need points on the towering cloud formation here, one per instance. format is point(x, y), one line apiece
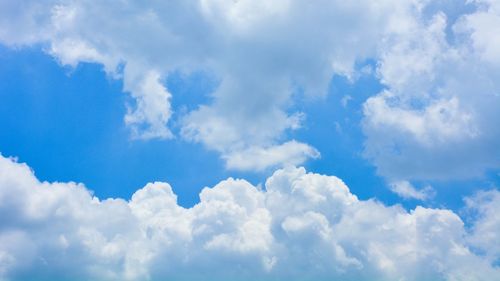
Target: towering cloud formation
point(302, 226)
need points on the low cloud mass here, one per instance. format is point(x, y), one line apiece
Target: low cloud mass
point(300, 226)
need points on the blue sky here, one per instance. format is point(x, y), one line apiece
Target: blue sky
point(46, 126)
point(160, 105)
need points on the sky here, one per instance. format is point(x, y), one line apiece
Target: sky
point(249, 140)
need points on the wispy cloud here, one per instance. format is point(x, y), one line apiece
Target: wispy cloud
point(407, 191)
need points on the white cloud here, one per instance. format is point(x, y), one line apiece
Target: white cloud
point(436, 119)
point(437, 123)
point(438, 60)
point(483, 27)
point(261, 52)
point(153, 106)
point(407, 191)
point(302, 225)
point(259, 158)
point(485, 207)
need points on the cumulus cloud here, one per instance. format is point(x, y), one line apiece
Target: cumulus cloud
point(436, 117)
point(263, 53)
point(302, 226)
point(438, 60)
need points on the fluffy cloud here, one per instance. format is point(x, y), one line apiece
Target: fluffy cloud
point(263, 53)
point(438, 61)
point(436, 119)
point(303, 226)
point(484, 208)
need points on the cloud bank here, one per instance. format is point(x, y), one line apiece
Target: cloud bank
point(301, 226)
point(437, 60)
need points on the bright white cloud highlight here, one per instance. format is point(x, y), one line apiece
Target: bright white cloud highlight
point(302, 226)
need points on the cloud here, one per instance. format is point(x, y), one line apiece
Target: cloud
point(258, 158)
point(438, 62)
point(407, 191)
point(301, 226)
point(485, 228)
point(152, 111)
point(263, 53)
point(436, 117)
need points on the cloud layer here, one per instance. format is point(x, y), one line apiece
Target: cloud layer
point(437, 60)
point(302, 226)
